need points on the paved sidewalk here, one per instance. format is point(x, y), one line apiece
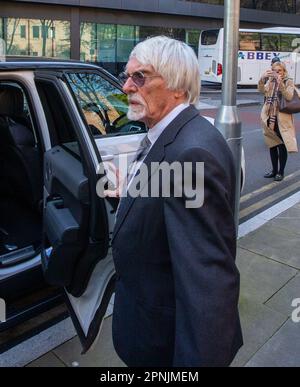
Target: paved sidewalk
point(269, 262)
point(213, 101)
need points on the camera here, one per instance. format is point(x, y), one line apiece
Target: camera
point(274, 74)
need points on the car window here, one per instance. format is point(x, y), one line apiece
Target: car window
point(210, 37)
point(249, 41)
point(103, 105)
point(60, 126)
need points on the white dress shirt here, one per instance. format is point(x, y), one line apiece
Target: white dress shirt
point(153, 135)
point(155, 132)
point(157, 129)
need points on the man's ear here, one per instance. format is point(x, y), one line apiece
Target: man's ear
point(179, 94)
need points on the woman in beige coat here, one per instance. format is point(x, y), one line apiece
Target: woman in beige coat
point(279, 128)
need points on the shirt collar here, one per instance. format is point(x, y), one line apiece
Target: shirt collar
point(157, 129)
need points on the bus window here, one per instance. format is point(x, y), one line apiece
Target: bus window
point(210, 37)
point(280, 41)
point(249, 41)
point(270, 42)
point(289, 42)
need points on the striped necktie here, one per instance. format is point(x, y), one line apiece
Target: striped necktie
point(144, 147)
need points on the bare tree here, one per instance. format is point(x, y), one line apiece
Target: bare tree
point(10, 42)
point(46, 25)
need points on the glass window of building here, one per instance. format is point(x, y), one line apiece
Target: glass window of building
point(40, 45)
point(60, 33)
point(54, 39)
point(126, 40)
point(2, 42)
point(11, 32)
point(145, 32)
point(107, 44)
point(23, 31)
point(192, 39)
point(110, 45)
point(35, 32)
point(88, 42)
point(98, 43)
point(36, 37)
point(287, 6)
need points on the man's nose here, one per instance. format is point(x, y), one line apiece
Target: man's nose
point(129, 86)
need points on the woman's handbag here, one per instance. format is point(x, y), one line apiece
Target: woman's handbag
point(290, 107)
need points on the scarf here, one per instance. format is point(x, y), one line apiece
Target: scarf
point(273, 102)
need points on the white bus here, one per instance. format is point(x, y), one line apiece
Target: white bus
point(256, 51)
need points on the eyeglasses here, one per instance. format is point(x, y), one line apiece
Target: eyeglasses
point(138, 78)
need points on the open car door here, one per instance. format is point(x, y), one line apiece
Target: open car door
point(75, 252)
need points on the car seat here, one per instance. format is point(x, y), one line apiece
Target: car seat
point(21, 169)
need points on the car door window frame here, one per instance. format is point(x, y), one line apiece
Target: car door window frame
point(85, 141)
point(91, 161)
point(113, 82)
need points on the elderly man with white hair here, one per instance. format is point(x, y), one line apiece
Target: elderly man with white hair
point(177, 289)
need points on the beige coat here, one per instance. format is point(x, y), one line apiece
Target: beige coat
point(285, 121)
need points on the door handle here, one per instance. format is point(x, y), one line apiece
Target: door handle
point(48, 170)
point(107, 157)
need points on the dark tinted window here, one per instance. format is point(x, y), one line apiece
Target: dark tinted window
point(253, 41)
point(249, 41)
point(270, 42)
point(289, 42)
point(59, 123)
point(209, 38)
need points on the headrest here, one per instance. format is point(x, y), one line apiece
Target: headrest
point(15, 134)
point(11, 101)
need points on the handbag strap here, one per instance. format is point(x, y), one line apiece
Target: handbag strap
point(295, 87)
point(297, 91)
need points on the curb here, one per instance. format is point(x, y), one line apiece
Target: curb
point(248, 104)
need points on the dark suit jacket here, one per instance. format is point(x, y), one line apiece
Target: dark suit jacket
point(177, 290)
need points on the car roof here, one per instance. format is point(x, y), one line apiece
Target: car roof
point(12, 63)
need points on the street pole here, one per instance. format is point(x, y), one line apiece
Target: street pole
point(227, 120)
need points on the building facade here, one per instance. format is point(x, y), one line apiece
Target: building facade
point(105, 31)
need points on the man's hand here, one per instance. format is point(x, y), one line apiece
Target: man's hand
point(114, 190)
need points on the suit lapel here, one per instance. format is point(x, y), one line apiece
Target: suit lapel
point(156, 154)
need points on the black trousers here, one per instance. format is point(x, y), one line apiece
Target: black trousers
point(279, 154)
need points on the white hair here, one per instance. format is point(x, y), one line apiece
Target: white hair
point(175, 61)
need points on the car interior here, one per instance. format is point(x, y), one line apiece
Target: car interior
point(20, 178)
